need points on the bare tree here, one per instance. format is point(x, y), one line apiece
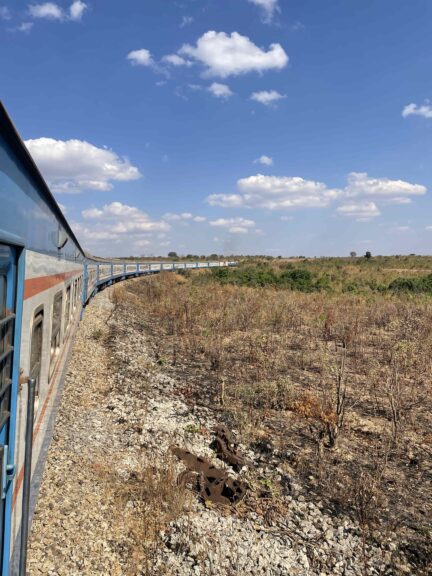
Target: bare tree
point(334, 425)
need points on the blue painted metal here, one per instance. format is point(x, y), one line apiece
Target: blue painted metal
point(15, 301)
point(25, 198)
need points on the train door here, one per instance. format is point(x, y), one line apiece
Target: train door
point(8, 287)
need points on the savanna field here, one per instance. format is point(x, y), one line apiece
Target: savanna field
point(323, 365)
point(318, 372)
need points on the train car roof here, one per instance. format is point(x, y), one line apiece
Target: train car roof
point(16, 143)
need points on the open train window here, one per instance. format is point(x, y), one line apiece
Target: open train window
point(36, 350)
point(56, 329)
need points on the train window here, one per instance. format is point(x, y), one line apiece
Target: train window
point(56, 328)
point(67, 306)
point(36, 350)
point(3, 287)
point(5, 348)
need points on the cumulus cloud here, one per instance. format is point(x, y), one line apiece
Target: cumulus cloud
point(268, 7)
point(414, 110)
point(394, 191)
point(52, 11)
point(267, 97)
point(140, 57)
point(72, 166)
point(47, 10)
point(276, 193)
point(176, 60)
point(361, 198)
point(234, 225)
point(226, 55)
point(122, 219)
point(265, 160)
point(221, 91)
point(185, 216)
point(92, 235)
point(226, 200)
point(362, 212)
point(77, 9)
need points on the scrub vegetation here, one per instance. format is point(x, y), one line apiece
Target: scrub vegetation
point(325, 365)
point(358, 275)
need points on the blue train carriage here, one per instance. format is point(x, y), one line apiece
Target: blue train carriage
point(41, 282)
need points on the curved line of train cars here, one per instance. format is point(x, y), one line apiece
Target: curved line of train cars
point(45, 280)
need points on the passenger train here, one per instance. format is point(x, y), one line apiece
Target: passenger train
point(46, 279)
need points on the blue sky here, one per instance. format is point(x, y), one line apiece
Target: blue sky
point(229, 126)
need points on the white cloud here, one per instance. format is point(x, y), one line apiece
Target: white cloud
point(267, 97)
point(265, 160)
point(394, 191)
point(414, 110)
point(360, 197)
point(276, 193)
point(47, 10)
point(184, 216)
point(72, 166)
point(118, 229)
point(362, 212)
point(142, 243)
point(77, 9)
point(52, 11)
point(225, 200)
point(24, 27)
point(269, 7)
point(140, 57)
point(397, 200)
point(122, 219)
point(186, 20)
point(85, 234)
point(234, 225)
point(220, 90)
point(176, 60)
point(5, 13)
point(226, 55)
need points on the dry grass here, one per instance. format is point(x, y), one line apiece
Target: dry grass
point(336, 387)
point(152, 500)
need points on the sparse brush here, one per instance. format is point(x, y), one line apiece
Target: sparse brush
point(339, 382)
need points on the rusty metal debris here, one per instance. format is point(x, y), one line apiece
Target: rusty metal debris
point(212, 483)
point(226, 448)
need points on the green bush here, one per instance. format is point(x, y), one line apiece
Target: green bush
point(422, 284)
